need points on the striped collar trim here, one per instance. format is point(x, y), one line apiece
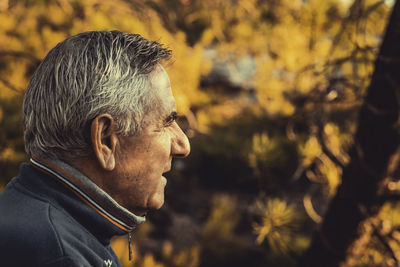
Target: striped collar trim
point(78, 184)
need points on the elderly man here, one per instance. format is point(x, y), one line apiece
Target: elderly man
point(99, 126)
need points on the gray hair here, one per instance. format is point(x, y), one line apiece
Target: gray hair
point(86, 75)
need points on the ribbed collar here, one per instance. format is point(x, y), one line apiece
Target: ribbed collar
point(89, 194)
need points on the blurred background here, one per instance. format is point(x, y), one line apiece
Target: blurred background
point(268, 92)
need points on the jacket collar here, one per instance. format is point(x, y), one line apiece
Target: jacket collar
point(114, 219)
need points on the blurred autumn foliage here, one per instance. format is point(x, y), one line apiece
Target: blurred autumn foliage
point(268, 91)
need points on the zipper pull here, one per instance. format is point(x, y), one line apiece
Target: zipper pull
point(129, 245)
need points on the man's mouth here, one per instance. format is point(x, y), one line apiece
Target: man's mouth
point(167, 169)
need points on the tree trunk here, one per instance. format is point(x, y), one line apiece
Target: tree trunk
point(374, 157)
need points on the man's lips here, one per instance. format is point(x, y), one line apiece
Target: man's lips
point(164, 179)
point(168, 168)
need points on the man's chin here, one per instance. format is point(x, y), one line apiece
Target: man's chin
point(163, 181)
point(156, 205)
point(157, 201)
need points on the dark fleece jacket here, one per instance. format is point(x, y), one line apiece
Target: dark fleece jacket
point(43, 222)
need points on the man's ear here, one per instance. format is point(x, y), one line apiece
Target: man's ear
point(104, 140)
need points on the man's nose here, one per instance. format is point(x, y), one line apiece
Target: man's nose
point(180, 145)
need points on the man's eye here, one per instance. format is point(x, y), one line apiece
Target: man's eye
point(171, 118)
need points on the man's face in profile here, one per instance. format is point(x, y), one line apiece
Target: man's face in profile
point(137, 182)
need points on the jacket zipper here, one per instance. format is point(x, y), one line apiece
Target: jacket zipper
point(129, 245)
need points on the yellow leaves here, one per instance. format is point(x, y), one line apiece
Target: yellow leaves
point(7, 22)
point(207, 37)
point(390, 212)
point(278, 223)
point(313, 38)
point(316, 12)
point(185, 73)
point(13, 81)
point(167, 249)
point(309, 151)
point(188, 257)
point(100, 21)
point(57, 15)
point(271, 98)
point(243, 30)
point(305, 83)
point(386, 224)
point(335, 141)
point(321, 51)
point(3, 5)
point(131, 24)
point(149, 261)
point(109, 15)
point(327, 171)
point(288, 41)
point(205, 67)
point(260, 144)
point(11, 155)
point(375, 23)
point(203, 121)
point(6, 92)
point(261, 148)
point(223, 218)
point(332, 174)
point(51, 38)
point(217, 114)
